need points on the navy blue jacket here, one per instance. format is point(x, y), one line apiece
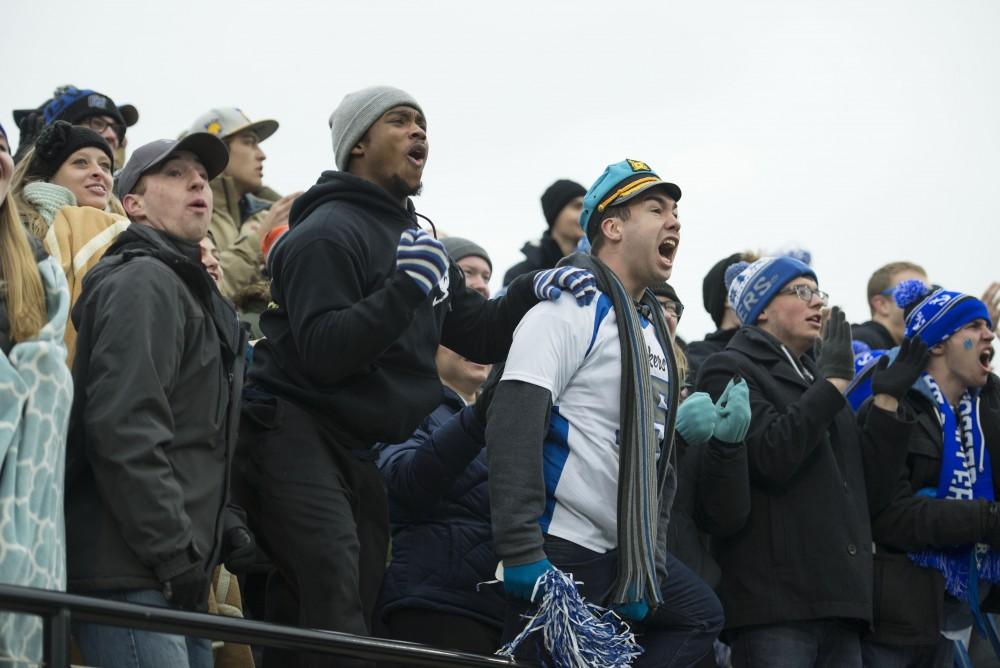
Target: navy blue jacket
point(439, 510)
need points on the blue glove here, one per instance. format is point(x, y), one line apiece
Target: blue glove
point(635, 611)
point(733, 411)
point(696, 419)
point(423, 258)
point(550, 283)
point(520, 580)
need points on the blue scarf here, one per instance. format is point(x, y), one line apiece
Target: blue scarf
point(965, 474)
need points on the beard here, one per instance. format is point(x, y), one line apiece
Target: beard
point(400, 189)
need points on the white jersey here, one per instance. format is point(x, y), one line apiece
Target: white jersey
point(574, 352)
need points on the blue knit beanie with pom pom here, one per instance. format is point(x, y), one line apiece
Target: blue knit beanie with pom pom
point(934, 315)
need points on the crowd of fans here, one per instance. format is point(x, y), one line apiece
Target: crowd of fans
point(309, 409)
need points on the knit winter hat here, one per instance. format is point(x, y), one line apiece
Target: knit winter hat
point(558, 195)
point(752, 286)
point(58, 141)
point(73, 105)
point(458, 248)
point(713, 288)
point(934, 315)
point(357, 112)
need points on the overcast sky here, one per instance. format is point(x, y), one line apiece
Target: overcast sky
point(866, 131)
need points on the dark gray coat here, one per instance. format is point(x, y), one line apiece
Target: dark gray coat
point(158, 371)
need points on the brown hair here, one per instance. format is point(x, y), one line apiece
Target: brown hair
point(620, 211)
point(19, 279)
point(881, 280)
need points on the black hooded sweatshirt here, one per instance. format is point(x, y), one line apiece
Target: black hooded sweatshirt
point(353, 339)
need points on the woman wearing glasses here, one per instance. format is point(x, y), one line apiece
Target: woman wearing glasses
point(63, 194)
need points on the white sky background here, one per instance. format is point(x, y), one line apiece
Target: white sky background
point(865, 131)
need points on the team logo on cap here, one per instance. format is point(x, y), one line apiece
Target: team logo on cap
point(98, 101)
point(638, 166)
point(213, 126)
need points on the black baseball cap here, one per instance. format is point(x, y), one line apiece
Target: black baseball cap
point(211, 152)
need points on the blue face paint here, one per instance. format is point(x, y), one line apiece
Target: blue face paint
point(967, 343)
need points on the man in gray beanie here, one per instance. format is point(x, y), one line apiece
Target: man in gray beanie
point(362, 298)
point(474, 262)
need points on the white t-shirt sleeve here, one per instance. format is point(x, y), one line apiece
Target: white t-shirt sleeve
point(550, 344)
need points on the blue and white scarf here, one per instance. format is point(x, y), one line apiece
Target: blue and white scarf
point(965, 474)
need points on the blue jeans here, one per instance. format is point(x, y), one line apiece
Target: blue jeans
point(939, 655)
point(679, 633)
point(824, 643)
point(119, 647)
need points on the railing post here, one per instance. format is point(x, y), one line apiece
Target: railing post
point(56, 638)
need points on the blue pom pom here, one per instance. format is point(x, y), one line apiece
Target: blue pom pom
point(800, 254)
point(910, 292)
point(733, 270)
point(576, 634)
point(860, 347)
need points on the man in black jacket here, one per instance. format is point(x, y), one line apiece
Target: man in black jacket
point(797, 580)
point(885, 329)
point(361, 300)
point(713, 294)
point(561, 203)
point(158, 374)
point(945, 495)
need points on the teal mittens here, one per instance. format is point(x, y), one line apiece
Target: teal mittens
point(732, 412)
point(696, 419)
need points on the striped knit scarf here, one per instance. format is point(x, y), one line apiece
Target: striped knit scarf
point(640, 477)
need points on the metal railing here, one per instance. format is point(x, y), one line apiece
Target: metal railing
point(59, 609)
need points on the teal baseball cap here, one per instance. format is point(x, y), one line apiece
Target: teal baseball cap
point(618, 184)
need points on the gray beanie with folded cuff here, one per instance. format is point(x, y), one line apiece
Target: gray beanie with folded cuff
point(458, 248)
point(357, 112)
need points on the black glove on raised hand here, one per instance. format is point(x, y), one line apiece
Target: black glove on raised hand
point(30, 126)
point(239, 550)
point(897, 378)
point(836, 356)
point(188, 589)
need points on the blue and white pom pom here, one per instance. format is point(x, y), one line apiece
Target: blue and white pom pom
point(576, 634)
point(909, 292)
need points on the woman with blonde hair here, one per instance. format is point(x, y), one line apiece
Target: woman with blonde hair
point(36, 392)
point(62, 188)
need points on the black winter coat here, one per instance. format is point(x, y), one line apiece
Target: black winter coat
point(874, 334)
point(699, 351)
point(543, 255)
point(157, 376)
point(712, 501)
point(349, 334)
point(439, 509)
point(805, 552)
point(909, 599)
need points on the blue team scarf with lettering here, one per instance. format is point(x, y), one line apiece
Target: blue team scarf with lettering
point(965, 474)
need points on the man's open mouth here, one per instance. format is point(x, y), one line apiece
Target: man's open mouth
point(418, 154)
point(667, 249)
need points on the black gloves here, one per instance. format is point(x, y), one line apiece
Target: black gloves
point(30, 126)
point(188, 589)
point(991, 524)
point(239, 551)
point(836, 356)
point(896, 378)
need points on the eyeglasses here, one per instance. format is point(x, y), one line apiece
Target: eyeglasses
point(805, 293)
point(99, 125)
point(674, 307)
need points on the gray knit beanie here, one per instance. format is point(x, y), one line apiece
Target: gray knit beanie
point(458, 248)
point(357, 112)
